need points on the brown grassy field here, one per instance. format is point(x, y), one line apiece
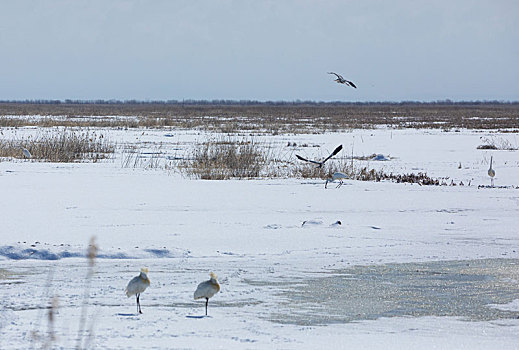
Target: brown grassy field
point(225, 158)
point(288, 118)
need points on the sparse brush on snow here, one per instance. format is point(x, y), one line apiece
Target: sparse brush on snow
point(497, 143)
point(37, 335)
point(85, 334)
point(63, 146)
point(135, 157)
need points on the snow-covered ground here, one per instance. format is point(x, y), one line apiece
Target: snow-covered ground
point(250, 233)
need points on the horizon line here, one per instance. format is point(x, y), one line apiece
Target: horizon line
point(250, 102)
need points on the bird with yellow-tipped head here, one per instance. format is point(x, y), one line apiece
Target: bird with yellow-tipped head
point(137, 285)
point(207, 289)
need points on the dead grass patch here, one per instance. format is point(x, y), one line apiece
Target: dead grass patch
point(224, 159)
point(63, 146)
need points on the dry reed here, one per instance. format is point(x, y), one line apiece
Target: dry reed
point(64, 146)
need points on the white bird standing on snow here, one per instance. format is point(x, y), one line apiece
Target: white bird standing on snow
point(336, 176)
point(207, 289)
point(26, 152)
point(137, 285)
point(491, 173)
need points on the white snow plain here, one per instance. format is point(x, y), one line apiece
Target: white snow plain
point(250, 233)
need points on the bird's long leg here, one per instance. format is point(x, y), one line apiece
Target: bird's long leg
point(138, 304)
point(340, 184)
point(206, 302)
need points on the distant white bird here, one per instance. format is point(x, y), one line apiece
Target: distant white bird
point(336, 176)
point(341, 80)
point(491, 173)
point(137, 285)
point(320, 164)
point(207, 289)
point(26, 152)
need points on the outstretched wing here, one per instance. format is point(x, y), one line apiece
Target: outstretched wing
point(301, 158)
point(307, 160)
point(335, 151)
point(337, 75)
point(351, 84)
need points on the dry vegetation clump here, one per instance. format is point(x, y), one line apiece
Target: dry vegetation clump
point(366, 174)
point(224, 159)
point(311, 172)
point(63, 147)
point(487, 147)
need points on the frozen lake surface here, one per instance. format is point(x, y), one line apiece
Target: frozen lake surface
point(441, 288)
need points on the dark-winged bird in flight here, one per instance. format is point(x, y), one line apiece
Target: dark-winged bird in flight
point(341, 80)
point(320, 164)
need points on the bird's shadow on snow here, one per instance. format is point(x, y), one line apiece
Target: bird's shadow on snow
point(198, 317)
point(127, 315)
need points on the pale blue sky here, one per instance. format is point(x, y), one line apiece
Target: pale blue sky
point(260, 50)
